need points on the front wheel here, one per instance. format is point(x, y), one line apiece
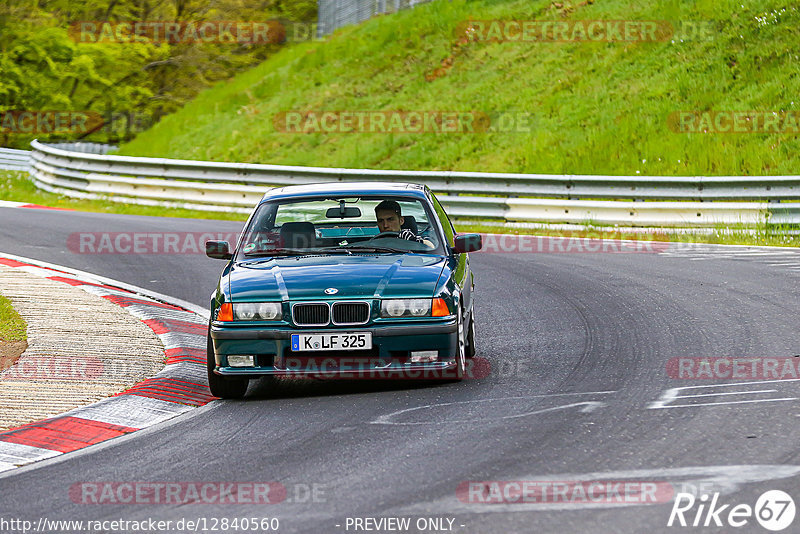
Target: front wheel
point(221, 386)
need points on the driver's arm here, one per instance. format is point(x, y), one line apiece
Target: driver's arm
point(409, 235)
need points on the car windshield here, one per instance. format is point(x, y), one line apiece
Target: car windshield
point(341, 225)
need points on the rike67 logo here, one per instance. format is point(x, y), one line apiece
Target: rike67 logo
point(774, 510)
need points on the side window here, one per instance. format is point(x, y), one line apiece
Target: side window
point(447, 226)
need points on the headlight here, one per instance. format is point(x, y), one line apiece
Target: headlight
point(257, 311)
point(406, 308)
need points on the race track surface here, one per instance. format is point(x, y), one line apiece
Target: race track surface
point(579, 389)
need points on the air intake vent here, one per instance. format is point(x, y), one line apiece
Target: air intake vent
point(349, 313)
point(311, 314)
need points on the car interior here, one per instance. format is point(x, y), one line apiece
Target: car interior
point(342, 225)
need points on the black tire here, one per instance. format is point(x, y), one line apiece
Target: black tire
point(460, 353)
point(471, 349)
point(221, 386)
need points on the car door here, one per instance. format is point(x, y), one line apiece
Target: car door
point(459, 261)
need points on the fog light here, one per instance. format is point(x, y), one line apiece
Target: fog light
point(424, 356)
point(241, 360)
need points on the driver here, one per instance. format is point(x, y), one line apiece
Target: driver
point(389, 219)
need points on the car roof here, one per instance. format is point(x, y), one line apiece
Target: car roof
point(344, 188)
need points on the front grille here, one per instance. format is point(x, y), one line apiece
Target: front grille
point(311, 314)
point(345, 313)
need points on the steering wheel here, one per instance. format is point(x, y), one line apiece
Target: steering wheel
point(384, 234)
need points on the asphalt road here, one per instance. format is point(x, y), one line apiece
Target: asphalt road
point(579, 390)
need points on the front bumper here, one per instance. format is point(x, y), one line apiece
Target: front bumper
point(388, 357)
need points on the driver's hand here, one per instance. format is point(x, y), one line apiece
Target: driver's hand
point(409, 235)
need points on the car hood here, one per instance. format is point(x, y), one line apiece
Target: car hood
point(356, 276)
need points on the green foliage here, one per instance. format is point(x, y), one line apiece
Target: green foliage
point(45, 65)
point(12, 326)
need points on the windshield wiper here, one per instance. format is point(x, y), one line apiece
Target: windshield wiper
point(279, 252)
point(294, 252)
point(372, 248)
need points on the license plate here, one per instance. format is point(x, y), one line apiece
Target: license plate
point(341, 341)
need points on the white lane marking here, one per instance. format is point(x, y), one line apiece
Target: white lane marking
point(776, 253)
point(3, 465)
point(104, 292)
point(12, 204)
point(724, 402)
point(13, 452)
point(188, 372)
point(38, 271)
point(175, 340)
point(710, 255)
point(671, 394)
point(724, 479)
point(145, 312)
point(775, 381)
point(13, 455)
point(588, 407)
point(730, 393)
point(132, 411)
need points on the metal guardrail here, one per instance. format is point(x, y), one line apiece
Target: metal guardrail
point(88, 148)
point(12, 159)
point(599, 200)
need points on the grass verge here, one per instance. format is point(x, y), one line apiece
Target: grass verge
point(12, 326)
point(590, 107)
point(763, 235)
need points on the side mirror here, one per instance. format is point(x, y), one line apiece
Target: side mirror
point(218, 250)
point(468, 243)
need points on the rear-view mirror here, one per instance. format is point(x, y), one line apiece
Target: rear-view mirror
point(343, 212)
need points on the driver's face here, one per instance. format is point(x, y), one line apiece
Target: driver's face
point(388, 221)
